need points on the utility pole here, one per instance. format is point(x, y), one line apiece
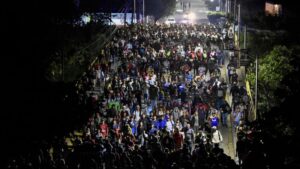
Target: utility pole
point(239, 20)
point(256, 83)
point(234, 10)
point(245, 37)
point(133, 16)
point(229, 6)
point(125, 18)
point(143, 11)
point(134, 10)
point(239, 24)
point(63, 66)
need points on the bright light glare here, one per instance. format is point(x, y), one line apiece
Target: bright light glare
point(86, 18)
point(185, 21)
point(211, 0)
point(191, 16)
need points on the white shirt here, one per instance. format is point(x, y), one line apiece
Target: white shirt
point(137, 115)
point(169, 126)
point(217, 137)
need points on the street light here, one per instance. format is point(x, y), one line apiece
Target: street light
point(191, 16)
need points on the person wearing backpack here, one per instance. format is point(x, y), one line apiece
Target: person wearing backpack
point(217, 137)
point(224, 111)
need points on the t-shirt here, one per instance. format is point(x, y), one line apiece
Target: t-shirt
point(214, 121)
point(189, 135)
point(116, 104)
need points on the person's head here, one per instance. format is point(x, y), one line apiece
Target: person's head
point(214, 114)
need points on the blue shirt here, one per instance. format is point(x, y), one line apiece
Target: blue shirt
point(189, 77)
point(214, 121)
point(162, 123)
point(152, 130)
point(133, 127)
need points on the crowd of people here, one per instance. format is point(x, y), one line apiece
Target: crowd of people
point(156, 99)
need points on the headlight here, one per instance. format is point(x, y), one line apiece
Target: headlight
point(191, 16)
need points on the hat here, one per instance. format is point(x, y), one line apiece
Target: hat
point(214, 127)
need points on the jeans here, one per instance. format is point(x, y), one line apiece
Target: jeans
point(224, 118)
point(154, 104)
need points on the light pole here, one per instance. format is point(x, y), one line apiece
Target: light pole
point(134, 10)
point(133, 17)
point(234, 10)
point(238, 36)
point(228, 6)
point(143, 11)
point(245, 37)
point(256, 83)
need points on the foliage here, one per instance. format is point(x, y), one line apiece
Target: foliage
point(73, 57)
point(281, 124)
point(219, 13)
point(278, 98)
point(214, 16)
point(273, 68)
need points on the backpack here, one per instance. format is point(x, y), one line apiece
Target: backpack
point(228, 108)
point(220, 138)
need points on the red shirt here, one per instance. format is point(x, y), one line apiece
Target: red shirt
point(104, 130)
point(178, 138)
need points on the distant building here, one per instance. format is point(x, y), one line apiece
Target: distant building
point(273, 9)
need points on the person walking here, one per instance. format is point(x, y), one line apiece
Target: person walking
point(217, 137)
point(189, 137)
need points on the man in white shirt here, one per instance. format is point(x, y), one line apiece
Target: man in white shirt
point(217, 137)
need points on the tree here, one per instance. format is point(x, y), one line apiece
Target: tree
point(279, 92)
point(273, 68)
point(281, 126)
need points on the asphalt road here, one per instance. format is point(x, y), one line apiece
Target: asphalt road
point(197, 7)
